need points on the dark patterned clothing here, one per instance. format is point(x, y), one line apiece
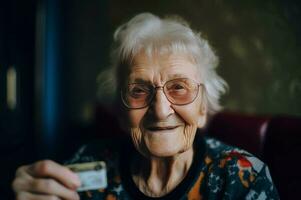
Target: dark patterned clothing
point(218, 171)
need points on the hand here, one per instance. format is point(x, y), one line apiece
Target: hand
point(45, 180)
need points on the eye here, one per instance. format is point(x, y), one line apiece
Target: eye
point(176, 87)
point(138, 91)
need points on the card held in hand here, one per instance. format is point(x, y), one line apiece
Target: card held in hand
point(93, 175)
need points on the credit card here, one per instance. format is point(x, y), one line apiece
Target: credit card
point(93, 175)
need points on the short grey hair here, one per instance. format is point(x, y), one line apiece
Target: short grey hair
point(149, 33)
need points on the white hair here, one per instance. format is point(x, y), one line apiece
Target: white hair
point(149, 33)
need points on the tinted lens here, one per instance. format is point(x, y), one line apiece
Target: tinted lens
point(136, 95)
point(181, 91)
point(178, 91)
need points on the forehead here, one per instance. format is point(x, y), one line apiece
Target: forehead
point(163, 67)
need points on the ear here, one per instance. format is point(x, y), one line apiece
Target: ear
point(202, 118)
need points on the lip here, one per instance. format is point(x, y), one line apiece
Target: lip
point(161, 128)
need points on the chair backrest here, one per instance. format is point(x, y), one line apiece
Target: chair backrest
point(245, 131)
point(276, 140)
point(282, 151)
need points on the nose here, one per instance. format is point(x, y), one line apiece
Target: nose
point(160, 105)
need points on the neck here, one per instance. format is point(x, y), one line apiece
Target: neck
point(156, 177)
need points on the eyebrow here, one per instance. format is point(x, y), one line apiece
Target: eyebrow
point(140, 80)
point(170, 77)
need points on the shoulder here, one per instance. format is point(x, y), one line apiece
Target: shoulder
point(223, 155)
point(237, 172)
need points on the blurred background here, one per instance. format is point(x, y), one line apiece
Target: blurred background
point(51, 52)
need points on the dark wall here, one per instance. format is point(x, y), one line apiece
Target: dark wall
point(17, 43)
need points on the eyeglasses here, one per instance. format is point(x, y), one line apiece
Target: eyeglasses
point(179, 91)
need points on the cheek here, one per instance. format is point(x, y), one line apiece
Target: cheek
point(136, 136)
point(135, 117)
point(190, 115)
point(189, 134)
point(190, 129)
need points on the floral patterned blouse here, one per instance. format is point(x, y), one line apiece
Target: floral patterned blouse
point(218, 171)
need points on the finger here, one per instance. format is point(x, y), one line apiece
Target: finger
point(29, 196)
point(49, 187)
point(20, 182)
point(42, 186)
point(48, 168)
point(22, 170)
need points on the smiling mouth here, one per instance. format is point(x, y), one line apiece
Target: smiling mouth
point(157, 128)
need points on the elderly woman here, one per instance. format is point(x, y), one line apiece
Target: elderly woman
point(166, 85)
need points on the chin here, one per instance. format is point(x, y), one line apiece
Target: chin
point(163, 149)
point(164, 143)
point(164, 154)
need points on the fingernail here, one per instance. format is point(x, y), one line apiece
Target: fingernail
point(75, 186)
point(76, 181)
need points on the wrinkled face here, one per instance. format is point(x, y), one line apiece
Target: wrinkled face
point(163, 129)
